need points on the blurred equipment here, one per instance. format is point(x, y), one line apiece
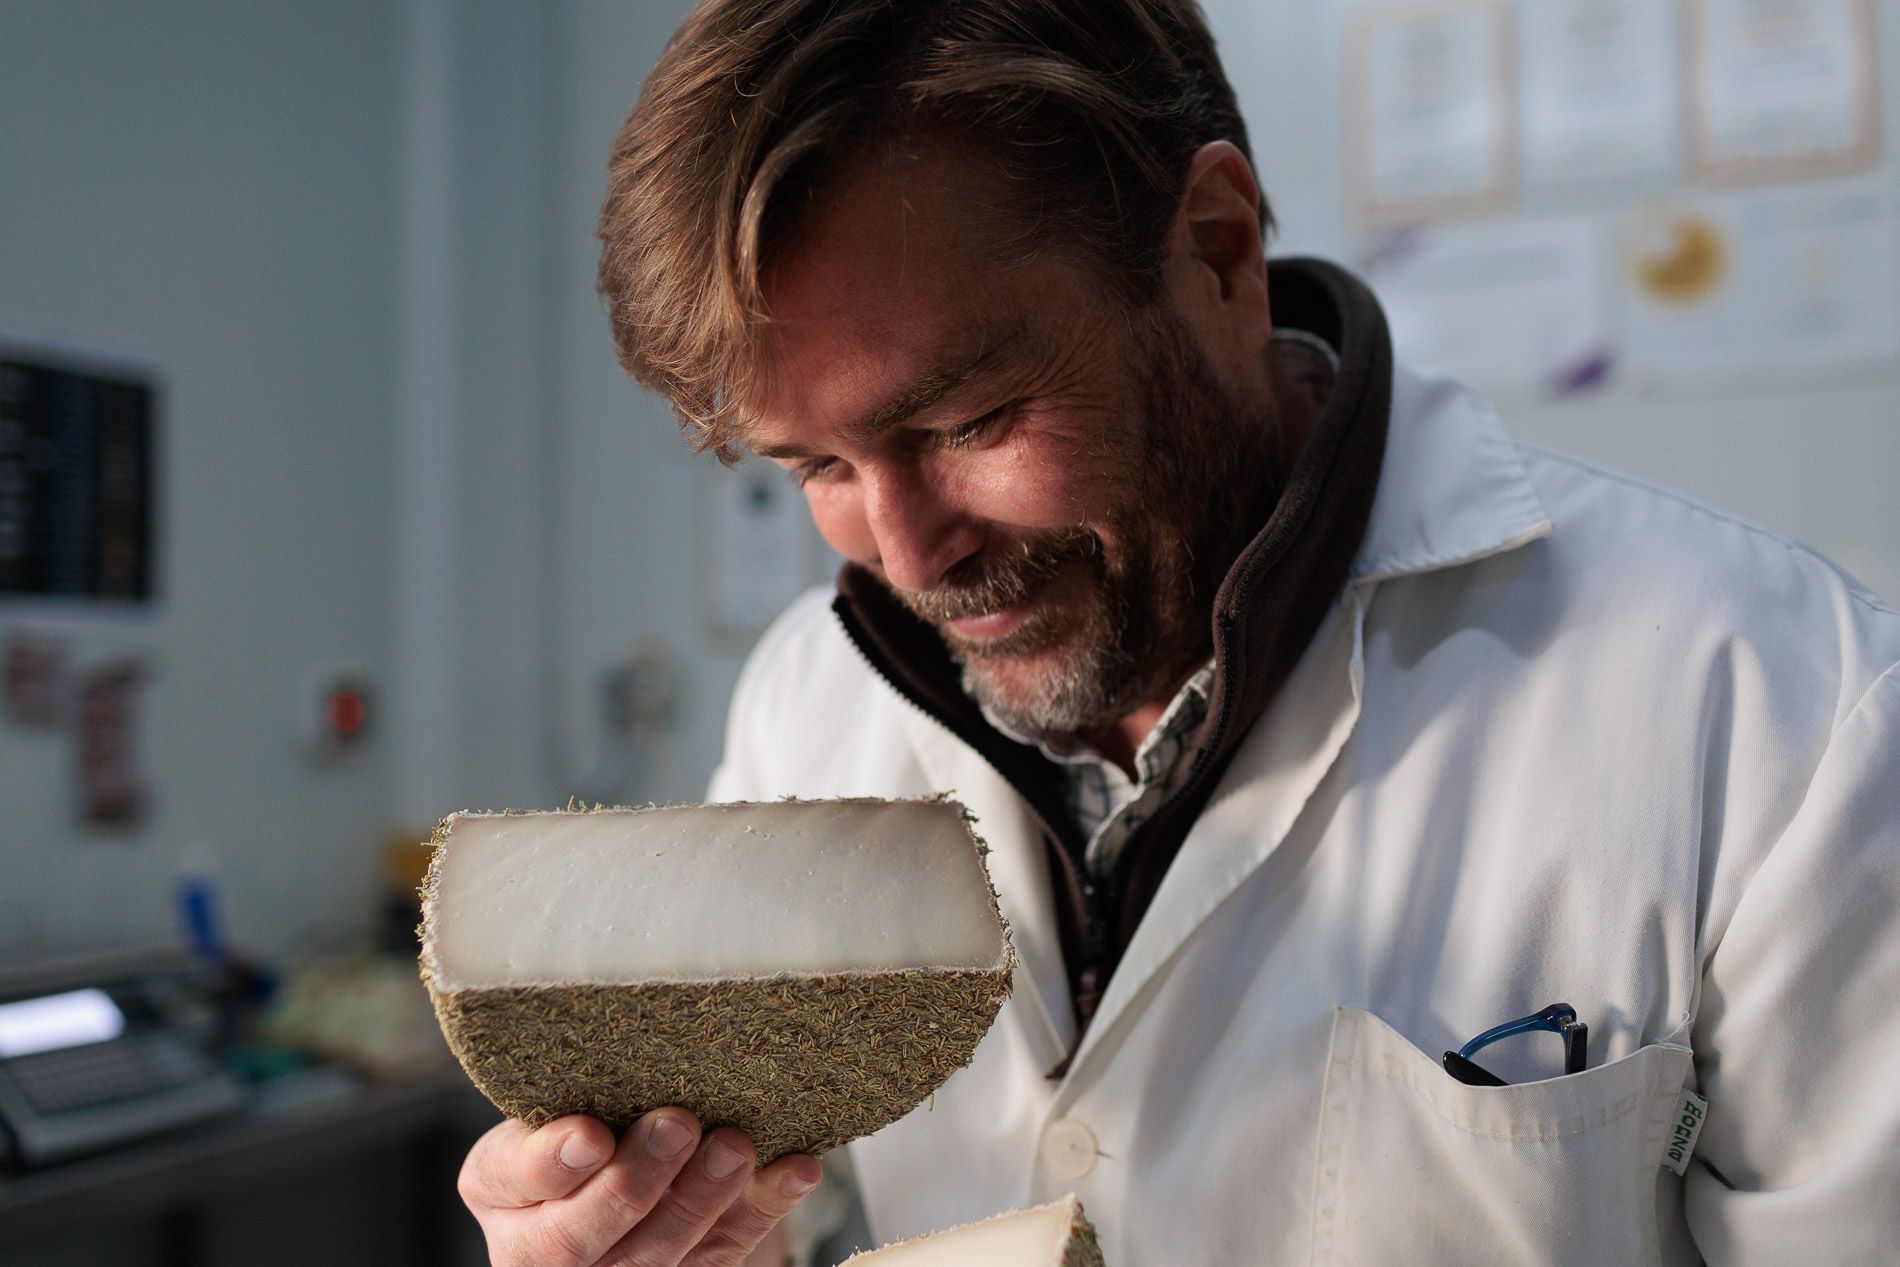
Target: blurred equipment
point(236, 987)
point(639, 698)
point(405, 864)
point(98, 1052)
point(339, 714)
point(365, 1012)
point(642, 691)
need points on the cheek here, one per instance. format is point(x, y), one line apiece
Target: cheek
point(1037, 487)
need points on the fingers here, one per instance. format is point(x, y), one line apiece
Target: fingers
point(566, 1196)
point(657, 1151)
point(767, 1199)
point(514, 1166)
point(717, 1175)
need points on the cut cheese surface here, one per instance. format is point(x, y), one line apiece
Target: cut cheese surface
point(807, 971)
point(1053, 1235)
point(710, 893)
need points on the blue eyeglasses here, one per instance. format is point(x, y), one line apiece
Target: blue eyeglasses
point(1558, 1018)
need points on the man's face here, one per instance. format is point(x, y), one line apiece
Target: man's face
point(1053, 480)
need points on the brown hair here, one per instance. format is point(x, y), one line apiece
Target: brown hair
point(1091, 108)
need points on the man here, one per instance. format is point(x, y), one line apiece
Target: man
point(1315, 726)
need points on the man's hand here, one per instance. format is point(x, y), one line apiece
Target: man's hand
point(566, 1196)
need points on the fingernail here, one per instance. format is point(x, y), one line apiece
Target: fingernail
point(578, 1154)
point(668, 1137)
point(722, 1160)
point(797, 1186)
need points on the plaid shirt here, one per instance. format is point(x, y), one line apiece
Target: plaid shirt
point(1106, 804)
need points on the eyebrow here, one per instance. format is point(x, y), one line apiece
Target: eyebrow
point(987, 347)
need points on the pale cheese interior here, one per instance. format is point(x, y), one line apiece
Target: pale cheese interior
point(1025, 1238)
point(697, 893)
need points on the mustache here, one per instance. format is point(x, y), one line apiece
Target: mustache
point(985, 584)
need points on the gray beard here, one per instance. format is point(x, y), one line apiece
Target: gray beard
point(1203, 474)
point(1086, 689)
point(1073, 698)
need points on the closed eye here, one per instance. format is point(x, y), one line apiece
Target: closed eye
point(805, 472)
point(964, 433)
point(819, 468)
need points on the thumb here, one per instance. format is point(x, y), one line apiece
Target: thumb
point(514, 1166)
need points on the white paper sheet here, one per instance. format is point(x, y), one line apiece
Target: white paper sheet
point(1430, 95)
point(1599, 91)
point(1752, 285)
point(1781, 85)
point(1511, 305)
point(761, 556)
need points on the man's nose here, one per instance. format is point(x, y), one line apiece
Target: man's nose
point(919, 533)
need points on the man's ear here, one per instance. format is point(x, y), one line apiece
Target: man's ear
point(1217, 245)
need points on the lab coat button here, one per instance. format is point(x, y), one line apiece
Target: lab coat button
point(1068, 1149)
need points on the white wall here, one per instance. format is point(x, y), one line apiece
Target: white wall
point(351, 329)
point(332, 227)
point(212, 183)
point(477, 406)
point(357, 237)
point(628, 489)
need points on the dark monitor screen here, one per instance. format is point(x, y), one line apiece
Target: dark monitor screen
point(76, 486)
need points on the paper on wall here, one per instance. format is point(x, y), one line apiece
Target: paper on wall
point(113, 789)
point(1738, 286)
point(1782, 88)
point(1511, 305)
point(33, 680)
point(1429, 99)
point(1599, 91)
point(760, 548)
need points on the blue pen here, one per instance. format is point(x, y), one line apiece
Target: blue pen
point(198, 911)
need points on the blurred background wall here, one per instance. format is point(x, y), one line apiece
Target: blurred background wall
point(355, 239)
point(213, 186)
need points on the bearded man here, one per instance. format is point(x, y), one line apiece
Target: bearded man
point(1315, 726)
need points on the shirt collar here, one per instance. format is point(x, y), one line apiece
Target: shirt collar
point(1452, 487)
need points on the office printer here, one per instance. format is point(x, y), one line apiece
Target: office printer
point(100, 1051)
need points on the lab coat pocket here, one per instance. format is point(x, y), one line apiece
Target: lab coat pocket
point(1416, 1167)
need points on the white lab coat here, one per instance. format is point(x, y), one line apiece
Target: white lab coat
point(1565, 737)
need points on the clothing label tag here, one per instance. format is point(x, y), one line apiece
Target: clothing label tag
point(1683, 1131)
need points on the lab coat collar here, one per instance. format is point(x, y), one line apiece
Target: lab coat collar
point(1452, 487)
